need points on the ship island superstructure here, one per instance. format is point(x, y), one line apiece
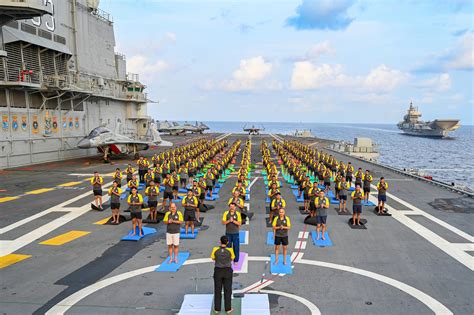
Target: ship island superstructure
point(60, 77)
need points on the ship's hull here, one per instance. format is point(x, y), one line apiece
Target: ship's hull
point(426, 133)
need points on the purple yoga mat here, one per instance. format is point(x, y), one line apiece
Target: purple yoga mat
point(242, 257)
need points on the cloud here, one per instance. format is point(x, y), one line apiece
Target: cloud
point(460, 57)
point(314, 52)
point(250, 72)
point(146, 68)
point(307, 76)
point(321, 14)
point(245, 28)
point(439, 83)
point(460, 32)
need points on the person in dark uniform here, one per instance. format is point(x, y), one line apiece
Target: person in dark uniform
point(135, 201)
point(97, 181)
point(281, 224)
point(223, 274)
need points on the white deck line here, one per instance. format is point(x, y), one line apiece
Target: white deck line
point(436, 306)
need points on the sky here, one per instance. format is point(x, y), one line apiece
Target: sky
point(347, 61)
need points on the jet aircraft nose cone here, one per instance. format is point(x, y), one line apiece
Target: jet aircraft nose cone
point(84, 144)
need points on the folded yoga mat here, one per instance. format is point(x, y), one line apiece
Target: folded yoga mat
point(173, 267)
point(281, 268)
point(146, 231)
point(270, 238)
point(241, 263)
point(321, 243)
point(184, 236)
point(243, 237)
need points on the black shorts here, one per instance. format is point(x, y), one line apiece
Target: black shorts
point(366, 190)
point(344, 197)
point(357, 208)
point(306, 197)
point(152, 204)
point(349, 178)
point(189, 216)
point(183, 181)
point(321, 219)
point(281, 240)
point(175, 187)
point(115, 205)
point(97, 192)
point(202, 196)
point(167, 195)
point(191, 173)
point(157, 180)
point(327, 184)
point(209, 188)
point(136, 215)
point(321, 178)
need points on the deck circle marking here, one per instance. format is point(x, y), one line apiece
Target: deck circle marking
point(424, 298)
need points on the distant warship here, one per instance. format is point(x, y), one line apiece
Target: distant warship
point(437, 128)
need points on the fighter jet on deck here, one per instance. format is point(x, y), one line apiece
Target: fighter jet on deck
point(253, 130)
point(111, 142)
point(175, 129)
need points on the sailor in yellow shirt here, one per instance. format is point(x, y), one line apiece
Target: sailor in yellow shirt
point(115, 192)
point(281, 225)
point(190, 204)
point(357, 197)
point(129, 171)
point(97, 181)
point(135, 201)
point(239, 203)
point(153, 191)
point(232, 221)
point(321, 204)
point(382, 187)
point(118, 177)
point(173, 220)
point(133, 183)
point(275, 206)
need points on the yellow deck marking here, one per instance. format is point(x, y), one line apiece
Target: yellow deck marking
point(64, 238)
point(38, 191)
point(70, 184)
point(11, 259)
point(103, 221)
point(5, 199)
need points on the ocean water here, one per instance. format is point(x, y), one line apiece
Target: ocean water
point(449, 160)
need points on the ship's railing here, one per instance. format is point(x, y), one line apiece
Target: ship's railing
point(104, 16)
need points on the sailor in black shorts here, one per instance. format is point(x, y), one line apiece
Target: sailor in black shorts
point(190, 204)
point(281, 224)
point(135, 201)
point(168, 192)
point(115, 193)
point(357, 197)
point(153, 192)
point(97, 181)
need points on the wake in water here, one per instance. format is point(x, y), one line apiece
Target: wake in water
point(367, 128)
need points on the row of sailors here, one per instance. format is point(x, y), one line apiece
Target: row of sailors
point(291, 152)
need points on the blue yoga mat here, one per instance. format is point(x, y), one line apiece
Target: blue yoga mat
point(123, 196)
point(321, 243)
point(162, 188)
point(268, 200)
point(334, 201)
point(214, 197)
point(146, 231)
point(331, 194)
point(280, 268)
point(183, 190)
point(294, 187)
point(369, 203)
point(300, 199)
point(247, 197)
point(183, 235)
point(270, 238)
point(173, 267)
